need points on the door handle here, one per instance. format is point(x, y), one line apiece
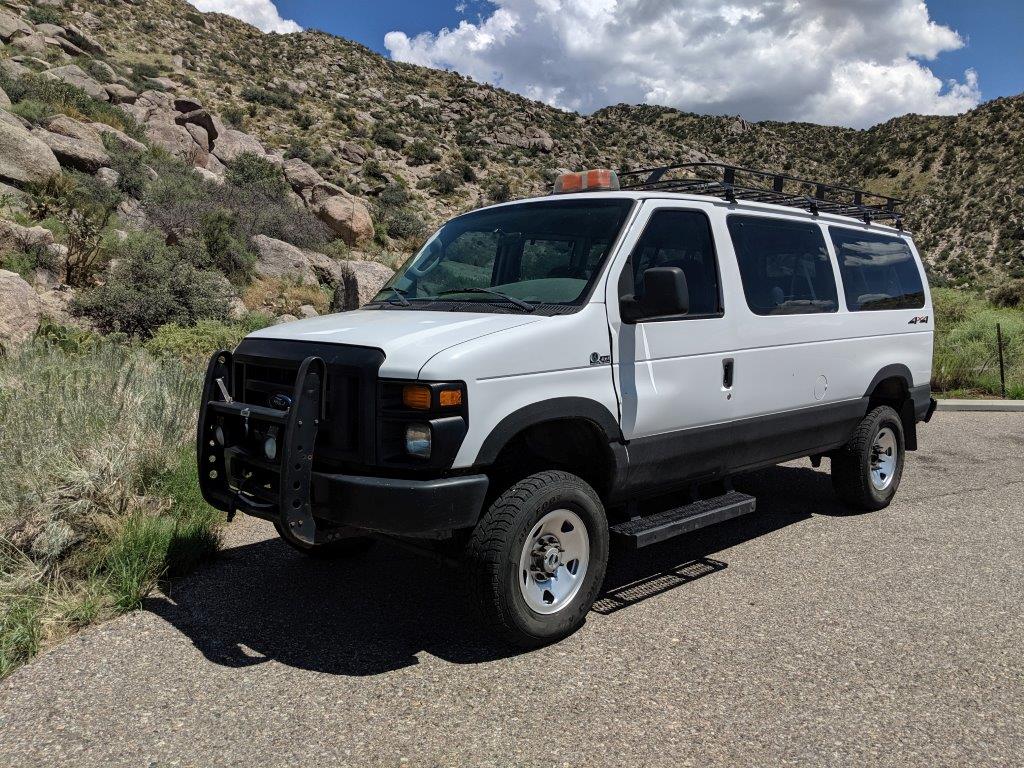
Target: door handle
point(728, 368)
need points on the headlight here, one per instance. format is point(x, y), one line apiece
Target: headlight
point(417, 440)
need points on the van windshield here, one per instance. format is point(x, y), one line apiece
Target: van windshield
point(514, 258)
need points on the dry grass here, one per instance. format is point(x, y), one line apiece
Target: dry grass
point(99, 497)
point(284, 297)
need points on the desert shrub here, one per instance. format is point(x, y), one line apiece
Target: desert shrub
point(421, 153)
point(393, 196)
point(152, 285)
point(1008, 294)
point(145, 70)
point(198, 342)
point(234, 115)
point(285, 297)
point(386, 136)
point(83, 208)
point(130, 166)
point(217, 246)
point(252, 172)
point(304, 120)
point(403, 223)
point(298, 149)
point(498, 191)
point(279, 99)
point(445, 182)
point(34, 111)
point(41, 14)
point(99, 498)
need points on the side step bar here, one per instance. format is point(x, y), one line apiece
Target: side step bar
point(644, 531)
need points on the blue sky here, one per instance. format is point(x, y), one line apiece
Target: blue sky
point(852, 63)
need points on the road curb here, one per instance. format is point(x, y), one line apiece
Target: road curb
point(1000, 406)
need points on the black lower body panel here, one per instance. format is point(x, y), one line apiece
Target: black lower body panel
point(725, 449)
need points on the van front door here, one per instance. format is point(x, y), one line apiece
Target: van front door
point(675, 377)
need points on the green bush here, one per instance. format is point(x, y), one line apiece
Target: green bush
point(403, 223)
point(36, 112)
point(152, 285)
point(198, 342)
point(421, 153)
point(40, 14)
point(386, 136)
point(255, 173)
point(279, 99)
point(445, 182)
point(1009, 294)
point(498, 191)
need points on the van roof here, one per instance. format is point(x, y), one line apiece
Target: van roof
point(737, 206)
point(743, 188)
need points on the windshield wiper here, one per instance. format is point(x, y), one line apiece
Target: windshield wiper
point(400, 295)
point(523, 305)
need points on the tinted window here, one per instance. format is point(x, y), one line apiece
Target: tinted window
point(681, 239)
point(879, 272)
point(785, 266)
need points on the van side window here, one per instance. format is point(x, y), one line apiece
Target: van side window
point(681, 239)
point(879, 271)
point(784, 265)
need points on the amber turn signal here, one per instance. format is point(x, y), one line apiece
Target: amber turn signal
point(451, 398)
point(416, 396)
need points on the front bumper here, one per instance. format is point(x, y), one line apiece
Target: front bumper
point(316, 507)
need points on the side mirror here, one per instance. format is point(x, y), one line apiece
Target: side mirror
point(665, 295)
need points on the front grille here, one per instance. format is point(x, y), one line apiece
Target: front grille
point(264, 368)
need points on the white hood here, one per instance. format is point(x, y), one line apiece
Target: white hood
point(408, 338)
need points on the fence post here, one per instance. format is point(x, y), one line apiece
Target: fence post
point(1002, 367)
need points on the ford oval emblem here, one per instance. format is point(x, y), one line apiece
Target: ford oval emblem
point(281, 402)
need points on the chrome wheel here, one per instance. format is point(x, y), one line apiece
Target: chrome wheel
point(883, 458)
point(554, 561)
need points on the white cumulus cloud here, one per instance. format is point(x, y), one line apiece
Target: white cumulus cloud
point(843, 62)
point(260, 13)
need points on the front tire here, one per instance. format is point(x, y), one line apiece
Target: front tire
point(866, 472)
point(537, 558)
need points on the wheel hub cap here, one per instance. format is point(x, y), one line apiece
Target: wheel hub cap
point(883, 459)
point(554, 561)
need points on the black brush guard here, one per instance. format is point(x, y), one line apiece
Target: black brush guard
point(296, 427)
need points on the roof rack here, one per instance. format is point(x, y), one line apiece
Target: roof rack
point(736, 183)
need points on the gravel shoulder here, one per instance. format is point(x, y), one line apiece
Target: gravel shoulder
point(800, 636)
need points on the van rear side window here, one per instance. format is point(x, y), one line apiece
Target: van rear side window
point(879, 271)
point(785, 266)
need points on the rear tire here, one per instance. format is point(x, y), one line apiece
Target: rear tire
point(335, 550)
point(866, 472)
point(537, 558)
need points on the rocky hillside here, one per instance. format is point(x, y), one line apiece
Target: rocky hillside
point(288, 169)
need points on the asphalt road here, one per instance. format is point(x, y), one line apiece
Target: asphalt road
point(801, 636)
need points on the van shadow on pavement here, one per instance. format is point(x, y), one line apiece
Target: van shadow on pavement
point(375, 612)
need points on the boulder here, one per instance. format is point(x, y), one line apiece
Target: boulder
point(165, 133)
point(23, 157)
point(103, 72)
point(13, 69)
point(285, 319)
point(74, 143)
point(10, 24)
point(123, 140)
point(210, 176)
point(120, 94)
point(353, 153)
point(15, 120)
point(360, 282)
point(346, 215)
point(301, 175)
point(164, 83)
point(35, 44)
point(278, 259)
point(200, 117)
point(18, 237)
point(75, 75)
point(108, 177)
point(307, 311)
point(50, 30)
point(199, 135)
point(5, 100)
point(19, 309)
point(83, 39)
point(231, 143)
point(67, 46)
point(186, 105)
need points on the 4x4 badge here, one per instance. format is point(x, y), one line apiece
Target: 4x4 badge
point(598, 359)
point(922, 320)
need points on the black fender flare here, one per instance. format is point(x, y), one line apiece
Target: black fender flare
point(894, 371)
point(906, 411)
point(555, 409)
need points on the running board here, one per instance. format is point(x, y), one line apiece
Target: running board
point(644, 531)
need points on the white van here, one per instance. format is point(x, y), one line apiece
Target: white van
point(532, 381)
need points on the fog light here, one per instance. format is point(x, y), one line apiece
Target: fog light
point(270, 448)
point(417, 440)
point(218, 435)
